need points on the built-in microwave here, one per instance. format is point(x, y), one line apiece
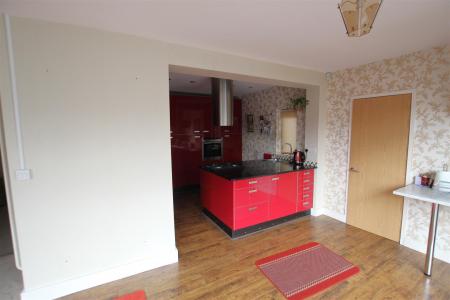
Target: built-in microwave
point(212, 149)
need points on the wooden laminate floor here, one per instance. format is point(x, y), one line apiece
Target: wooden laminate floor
point(212, 266)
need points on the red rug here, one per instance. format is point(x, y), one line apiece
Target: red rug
point(138, 295)
point(303, 271)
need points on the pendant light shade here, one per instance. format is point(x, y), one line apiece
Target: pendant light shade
point(358, 15)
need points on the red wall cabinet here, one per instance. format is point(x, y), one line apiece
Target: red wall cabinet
point(191, 115)
point(232, 147)
point(190, 122)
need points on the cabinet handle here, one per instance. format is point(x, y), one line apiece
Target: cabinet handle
point(275, 178)
point(306, 180)
point(253, 182)
point(306, 173)
point(205, 131)
point(196, 131)
point(197, 136)
point(306, 196)
point(252, 208)
point(226, 136)
point(252, 191)
point(306, 203)
point(306, 188)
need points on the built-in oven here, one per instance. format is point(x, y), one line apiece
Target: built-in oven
point(212, 149)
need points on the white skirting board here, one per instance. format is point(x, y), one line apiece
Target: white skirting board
point(414, 245)
point(335, 215)
point(316, 212)
point(422, 248)
point(169, 256)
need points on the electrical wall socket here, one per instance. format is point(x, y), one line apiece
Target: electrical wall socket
point(23, 174)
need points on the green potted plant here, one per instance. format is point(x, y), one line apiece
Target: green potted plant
point(299, 103)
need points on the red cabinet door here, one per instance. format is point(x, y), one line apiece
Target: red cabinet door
point(186, 160)
point(283, 198)
point(246, 216)
point(253, 195)
point(232, 147)
point(190, 114)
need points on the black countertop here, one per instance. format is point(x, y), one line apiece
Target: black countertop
point(252, 168)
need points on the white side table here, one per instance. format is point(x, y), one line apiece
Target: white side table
point(436, 198)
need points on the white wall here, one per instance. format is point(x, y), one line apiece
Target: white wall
point(95, 118)
point(426, 74)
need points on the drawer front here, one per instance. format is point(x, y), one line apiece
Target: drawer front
point(251, 215)
point(306, 177)
point(308, 180)
point(305, 204)
point(308, 173)
point(305, 188)
point(252, 195)
point(306, 195)
point(305, 200)
point(251, 182)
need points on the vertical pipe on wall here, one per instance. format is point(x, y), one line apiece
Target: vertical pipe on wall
point(12, 73)
point(15, 98)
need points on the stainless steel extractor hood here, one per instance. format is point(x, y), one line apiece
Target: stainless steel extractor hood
point(222, 96)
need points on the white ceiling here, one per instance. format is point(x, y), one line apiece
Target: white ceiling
point(304, 33)
point(202, 85)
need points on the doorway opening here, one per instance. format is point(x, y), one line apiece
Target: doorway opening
point(263, 120)
point(11, 283)
point(6, 244)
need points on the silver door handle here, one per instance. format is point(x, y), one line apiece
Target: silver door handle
point(197, 136)
point(275, 178)
point(252, 208)
point(252, 191)
point(196, 131)
point(253, 182)
point(354, 170)
point(205, 131)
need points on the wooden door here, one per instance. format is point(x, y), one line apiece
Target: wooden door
point(378, 159)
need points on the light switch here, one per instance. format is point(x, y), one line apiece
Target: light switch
point(23, 174)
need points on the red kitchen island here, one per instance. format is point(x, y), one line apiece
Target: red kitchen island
point(253, 195)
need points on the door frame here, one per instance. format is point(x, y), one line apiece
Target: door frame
point(408, 175)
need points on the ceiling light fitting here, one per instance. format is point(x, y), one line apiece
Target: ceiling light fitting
point(359, 15)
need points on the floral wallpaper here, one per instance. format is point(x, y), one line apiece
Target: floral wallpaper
point(269, 103)
point(428, 73)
